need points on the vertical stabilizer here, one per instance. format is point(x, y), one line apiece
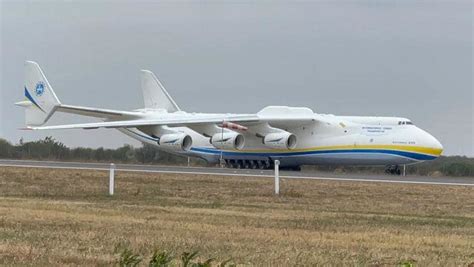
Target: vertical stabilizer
point(41, 101)
point(155, 95)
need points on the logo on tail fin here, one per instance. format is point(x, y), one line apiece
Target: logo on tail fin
point(39, 90)
point(27, 94)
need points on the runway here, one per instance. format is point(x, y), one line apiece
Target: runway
point(451, 181)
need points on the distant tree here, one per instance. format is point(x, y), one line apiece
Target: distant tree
point(457, 169)
point(99, 154)
point(146, 154)
point(6, 149)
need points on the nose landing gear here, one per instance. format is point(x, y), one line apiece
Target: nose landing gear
point(393, 170)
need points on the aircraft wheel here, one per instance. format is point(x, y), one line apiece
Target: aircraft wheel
point(238, 164)
point(393, 170)
point(297, 168)
point(254, 164)
point(268, 165)
point(246, 164)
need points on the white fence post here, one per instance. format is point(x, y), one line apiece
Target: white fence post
point(404, 170)
point(277, 177)
point(112, 179)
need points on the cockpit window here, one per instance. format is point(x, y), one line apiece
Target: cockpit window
point(405, 123)
point(409, 122)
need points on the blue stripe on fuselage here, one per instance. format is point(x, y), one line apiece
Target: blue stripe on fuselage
point(411, 155)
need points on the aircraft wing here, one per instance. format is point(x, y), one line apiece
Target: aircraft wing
point(96, 112)
point(153, 122)
point(191, 122)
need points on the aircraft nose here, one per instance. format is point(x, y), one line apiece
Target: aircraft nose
point(430, 142)
point(434, 143)
point(437, 144)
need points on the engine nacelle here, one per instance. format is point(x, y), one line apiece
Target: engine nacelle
point(228, 140)
point(283, 140)
point(177, 141)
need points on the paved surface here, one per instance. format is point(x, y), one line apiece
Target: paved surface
point(459, 181)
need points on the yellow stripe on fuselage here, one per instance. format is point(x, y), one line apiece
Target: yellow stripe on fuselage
point(417, 149)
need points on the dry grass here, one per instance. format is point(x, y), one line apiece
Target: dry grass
point(64, 217)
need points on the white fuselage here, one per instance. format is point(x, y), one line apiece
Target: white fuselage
point(337, 140)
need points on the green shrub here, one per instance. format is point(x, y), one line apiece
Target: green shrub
point(129, 259)
point(407, 263)
point(163, 258)
point(186, 258)
point(160, 259)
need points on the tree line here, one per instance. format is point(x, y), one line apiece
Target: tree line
point(50, 149)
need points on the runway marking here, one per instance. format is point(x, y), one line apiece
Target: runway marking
point(242, 174)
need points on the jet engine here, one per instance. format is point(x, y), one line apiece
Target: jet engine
point(176, 141)
point(282, 140)
point(228, 140)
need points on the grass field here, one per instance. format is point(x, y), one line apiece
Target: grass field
point(64, 217)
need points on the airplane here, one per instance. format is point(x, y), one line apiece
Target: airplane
point(295, 136)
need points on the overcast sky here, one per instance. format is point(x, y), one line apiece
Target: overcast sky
point(387, 58)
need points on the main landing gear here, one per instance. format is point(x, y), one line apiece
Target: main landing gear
point(256, 164)
point(393, 170)
point(248, 164)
